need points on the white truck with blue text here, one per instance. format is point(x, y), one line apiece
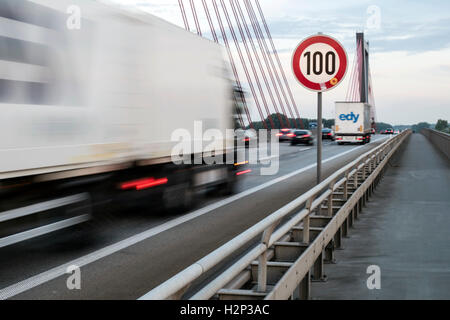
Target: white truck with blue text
point(352, 123)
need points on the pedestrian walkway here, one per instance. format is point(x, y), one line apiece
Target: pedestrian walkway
point(405, 230)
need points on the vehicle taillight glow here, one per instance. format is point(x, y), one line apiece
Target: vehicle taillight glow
point(246, 140)
point(329, 134)
point(279, 134)
point(306, 136)
point(338, 138)
point(143, 183)
point(291, 135)
point(243, 172)
point(153, 183)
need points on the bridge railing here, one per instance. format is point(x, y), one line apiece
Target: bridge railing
point(440, 139)
point(352, 184)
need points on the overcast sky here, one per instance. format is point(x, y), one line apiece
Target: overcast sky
point(409, 47)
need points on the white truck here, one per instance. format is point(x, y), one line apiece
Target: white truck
point(91, 96)
point(352, 122)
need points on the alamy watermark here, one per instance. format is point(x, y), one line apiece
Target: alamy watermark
point(373, 21)
point(374, 280)
point(74, 280)
point(242, 146)
point(73, 22)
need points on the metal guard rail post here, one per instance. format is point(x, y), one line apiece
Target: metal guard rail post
point(359, 175)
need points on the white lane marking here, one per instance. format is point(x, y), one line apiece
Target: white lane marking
point(43, 206)
point(56, 272)
point(33, 233)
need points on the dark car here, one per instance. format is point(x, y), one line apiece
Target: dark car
point(302, 136)
point(327, 133)
point(388, 131)
point(285, 134)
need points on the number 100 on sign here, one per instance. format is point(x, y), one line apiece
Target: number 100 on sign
point(319, 63)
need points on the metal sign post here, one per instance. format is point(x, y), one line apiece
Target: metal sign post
point(319, 64)
point(319, 137)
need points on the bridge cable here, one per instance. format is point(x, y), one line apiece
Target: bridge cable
point(183, 14)
point(255, 97)
point(269, 36)
point(224, 37)
point(233, 65)
point(266, 62)
point(268, 57)
point(255, 52)
point(255, 73)
point(194, 14)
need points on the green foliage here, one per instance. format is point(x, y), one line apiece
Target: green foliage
point(420, 126)
point(442, 125)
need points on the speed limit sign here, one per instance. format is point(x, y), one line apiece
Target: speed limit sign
point(319, 63)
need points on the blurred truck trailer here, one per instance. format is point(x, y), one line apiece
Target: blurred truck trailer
point(99, 107)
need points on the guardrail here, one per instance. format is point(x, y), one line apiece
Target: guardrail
point(279, 265)
point(440, 139)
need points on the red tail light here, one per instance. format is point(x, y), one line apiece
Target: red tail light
point(279, 134)
point(329, 134)
point(291, 135)
point(246, 140)
point(153, 183)
point(306, 136)
point(243, 172)
point(338, 138)
point(143, 183)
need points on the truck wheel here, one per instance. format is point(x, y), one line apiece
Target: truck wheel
point(179, 197)
point(229, 187)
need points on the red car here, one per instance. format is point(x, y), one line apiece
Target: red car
point(286, 135)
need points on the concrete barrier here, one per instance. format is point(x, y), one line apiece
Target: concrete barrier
point(439, 139)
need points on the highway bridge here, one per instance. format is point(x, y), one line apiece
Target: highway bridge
point(94, 204)
point(401, 227)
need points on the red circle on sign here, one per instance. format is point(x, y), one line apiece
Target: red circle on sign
point(314, 86)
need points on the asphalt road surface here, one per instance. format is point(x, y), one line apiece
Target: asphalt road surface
point(124, 255)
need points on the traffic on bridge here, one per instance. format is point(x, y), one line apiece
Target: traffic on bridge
point(224, 150)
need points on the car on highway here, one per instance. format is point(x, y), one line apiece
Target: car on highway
point(285, 134)
point(303, 137)
point(327, 133)
point(388, 131)
point(372, 131)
